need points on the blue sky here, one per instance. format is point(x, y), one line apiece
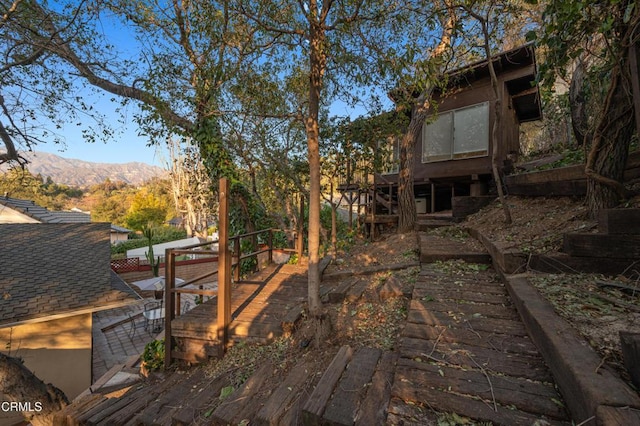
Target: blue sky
point(126, 146)
point(127, 149)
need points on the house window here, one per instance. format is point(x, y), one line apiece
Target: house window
point(457, 134)
point(389, 151)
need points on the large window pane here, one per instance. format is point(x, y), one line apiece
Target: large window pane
point(471, 131)
point(437, 138)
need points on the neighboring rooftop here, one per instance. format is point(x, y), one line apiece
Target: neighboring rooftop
point(42, 214)
point(57, 270)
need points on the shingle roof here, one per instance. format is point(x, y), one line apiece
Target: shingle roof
point(120, 229)
point(56, 269)
point(42, 214)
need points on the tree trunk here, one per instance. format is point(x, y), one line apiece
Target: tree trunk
point(610, 149)
point(497, 121)
point(334, 222)
point(19, 384)
point(420, 110)
point(578, 105)
point(407, 214)
point(317, 63)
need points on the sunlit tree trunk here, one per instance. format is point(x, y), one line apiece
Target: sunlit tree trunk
point(497, 114)
point(317, 63)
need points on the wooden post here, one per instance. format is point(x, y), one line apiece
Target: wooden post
point(433, 197)
point(270, 242)
point(359, 209)
point(224, 268)
point(300, 236)
point(169, 303)
point(374, 206)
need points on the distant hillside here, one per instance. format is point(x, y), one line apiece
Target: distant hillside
point(79, 173)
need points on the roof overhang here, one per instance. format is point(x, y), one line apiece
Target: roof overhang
point(523, 89)
point(70, 313)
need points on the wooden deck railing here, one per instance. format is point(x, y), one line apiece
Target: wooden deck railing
point(229, 254)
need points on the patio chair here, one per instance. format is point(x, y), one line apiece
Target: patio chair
point(185, 307)
point(148, 312)
point(134, 324)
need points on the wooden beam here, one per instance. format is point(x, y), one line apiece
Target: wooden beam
point(300, 235)
point(169, 303)
point(526, 92)
point(224, 268)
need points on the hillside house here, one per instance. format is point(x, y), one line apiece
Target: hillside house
point(453, 156)
point(15, 210)
point(52, 278)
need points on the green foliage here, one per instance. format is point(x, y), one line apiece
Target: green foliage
point(18, 183)
point(153, 355)
point(574, 27)
point(570, 157)
point(247, 265)
point(146, 208)
point(213, 151)
point(247, 213)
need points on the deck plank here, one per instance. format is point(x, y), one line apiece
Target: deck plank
point(344, 404)
point(262, 308)
point(464, 349)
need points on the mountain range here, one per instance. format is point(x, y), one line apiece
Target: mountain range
point(81, 174)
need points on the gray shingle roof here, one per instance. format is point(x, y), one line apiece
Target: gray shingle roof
point(56, 269)
point(43, 215)
point(120, 229)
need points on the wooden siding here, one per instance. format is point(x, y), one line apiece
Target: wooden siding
point(471, 94)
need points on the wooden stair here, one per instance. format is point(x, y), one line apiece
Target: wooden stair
point(429, 221)
point(609, 251)
point(618, 236)
point(354, 390)
point(434, 248)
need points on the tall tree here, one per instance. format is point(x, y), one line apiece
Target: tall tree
point(191, 188)
point(37, 95)
point(183, 57)
point(570, 29)
point(416, 95)
point(491, 16)
point(322, 41)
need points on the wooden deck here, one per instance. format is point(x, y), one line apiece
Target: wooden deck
point(463, 350)
point(263, 308)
